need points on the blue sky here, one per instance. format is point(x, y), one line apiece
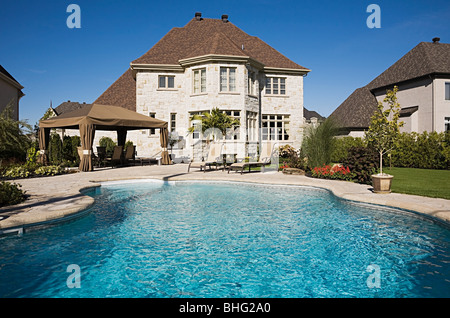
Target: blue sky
point(55, 63)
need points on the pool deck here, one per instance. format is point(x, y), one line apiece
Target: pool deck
point(58, 198)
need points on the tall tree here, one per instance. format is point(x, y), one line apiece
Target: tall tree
point(384, 126)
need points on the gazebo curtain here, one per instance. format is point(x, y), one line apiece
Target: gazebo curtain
point(44, 137)
point(87, 132)
point(164, 138)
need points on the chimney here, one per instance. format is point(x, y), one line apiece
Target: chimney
point(198, 16)
point(224, 18)
point(436, 40)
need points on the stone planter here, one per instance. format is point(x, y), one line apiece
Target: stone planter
point(382, 183)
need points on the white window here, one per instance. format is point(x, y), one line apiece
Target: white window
point(199, 84)
point(447, 91)
point(447, 123)
point(227, 79)
point(275, 127)
point(252, 124)
point(166, 81)
point(251, 83)
point(275, 86)
point(173, 122)
point(234, 133)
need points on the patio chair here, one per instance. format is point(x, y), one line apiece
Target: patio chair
point(265, 159)
point(129, 155)
point(214, 158)
point(117, 156)
point(101, 153)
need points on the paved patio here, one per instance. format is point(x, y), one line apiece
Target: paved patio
point(52, 199)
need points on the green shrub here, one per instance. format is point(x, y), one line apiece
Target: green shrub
point(341, 146)
point(425, 150)
point(10, 193)
point(291, 158)
point(109, 144)
point(21, 171)
point(362, 162)
point(32, 153)
point(48, 170)
point(55, 149)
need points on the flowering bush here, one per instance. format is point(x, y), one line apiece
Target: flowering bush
point(337, 172)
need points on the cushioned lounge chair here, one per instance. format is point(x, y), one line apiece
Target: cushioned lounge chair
point(117, 156)
point(129, 155)
point(265, 159)
point(214, 158)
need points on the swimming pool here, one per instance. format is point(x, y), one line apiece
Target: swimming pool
point(219, 239)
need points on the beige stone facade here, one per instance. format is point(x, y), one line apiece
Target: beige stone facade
point(249, 101)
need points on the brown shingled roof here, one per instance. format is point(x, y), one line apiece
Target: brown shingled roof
point(196, 38)
point(356, 110)
point(212, 36)
point(121, 93)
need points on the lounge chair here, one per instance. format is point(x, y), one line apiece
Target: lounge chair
point(129, 155)
point(117, 156)
point(265, 159)
point(214, 158)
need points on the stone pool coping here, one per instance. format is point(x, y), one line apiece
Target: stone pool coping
point(60, 198)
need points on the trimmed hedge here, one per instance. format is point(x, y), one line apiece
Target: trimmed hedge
point(426, 151)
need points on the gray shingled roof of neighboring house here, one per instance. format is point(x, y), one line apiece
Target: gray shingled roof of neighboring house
point(199, 37)
point(308, 114)
point(423, 60)
point(68, 106)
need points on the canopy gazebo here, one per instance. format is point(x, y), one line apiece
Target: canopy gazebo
point(94, 117)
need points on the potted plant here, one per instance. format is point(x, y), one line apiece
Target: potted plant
point(173, 139)
point(382, 133)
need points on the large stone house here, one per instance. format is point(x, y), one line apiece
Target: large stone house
point(423, 80)
point(211, 63)
point(10, 93)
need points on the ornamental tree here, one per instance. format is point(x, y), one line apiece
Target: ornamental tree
point(216, 120)
point(385, 126)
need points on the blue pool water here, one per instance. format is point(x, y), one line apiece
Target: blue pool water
point(192, 239)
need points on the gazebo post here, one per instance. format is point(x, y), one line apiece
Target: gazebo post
point(121, 136)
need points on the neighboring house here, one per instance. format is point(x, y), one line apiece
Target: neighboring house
point(67, 107)
point(211, 63)
point(10, 92)
point(312, 118)
point(423, 80)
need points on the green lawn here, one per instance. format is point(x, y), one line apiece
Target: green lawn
point(424, 182)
